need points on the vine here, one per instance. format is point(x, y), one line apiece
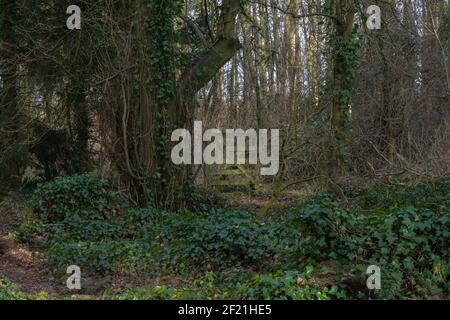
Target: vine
point(345, 46)
point(159, 24)
point(171, 185)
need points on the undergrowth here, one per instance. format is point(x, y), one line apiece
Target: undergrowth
point(319, 249)
point(9, 291)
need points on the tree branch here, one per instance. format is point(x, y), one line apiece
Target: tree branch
point(206, 67)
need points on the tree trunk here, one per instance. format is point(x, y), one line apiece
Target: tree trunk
point(166, 103)
point(340, 113)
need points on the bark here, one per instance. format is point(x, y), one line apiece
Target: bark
point(343, 24)
point(149, 169)
point(207, 66)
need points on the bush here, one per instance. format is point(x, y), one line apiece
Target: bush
point(75, 197)
point(406, 233)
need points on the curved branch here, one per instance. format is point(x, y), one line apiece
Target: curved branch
point(207, 65)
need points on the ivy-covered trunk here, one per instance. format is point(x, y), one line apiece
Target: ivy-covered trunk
point(162, 99)
point(344, 45)
point(154, 112)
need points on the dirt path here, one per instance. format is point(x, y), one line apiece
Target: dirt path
point(20, 265)
point(25, 269)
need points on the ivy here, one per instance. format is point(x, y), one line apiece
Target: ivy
point(344, 49)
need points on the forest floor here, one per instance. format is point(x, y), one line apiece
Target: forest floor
point(311, 245)
point(25, 267)
point(18, 263)
point(27, 270)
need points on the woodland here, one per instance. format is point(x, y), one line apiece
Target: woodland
point(358, 92)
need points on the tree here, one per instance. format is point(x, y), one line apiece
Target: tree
point(162, 97)
point(342, 65)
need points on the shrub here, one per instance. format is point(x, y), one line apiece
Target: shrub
point(407, 235)
point(76, 197)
